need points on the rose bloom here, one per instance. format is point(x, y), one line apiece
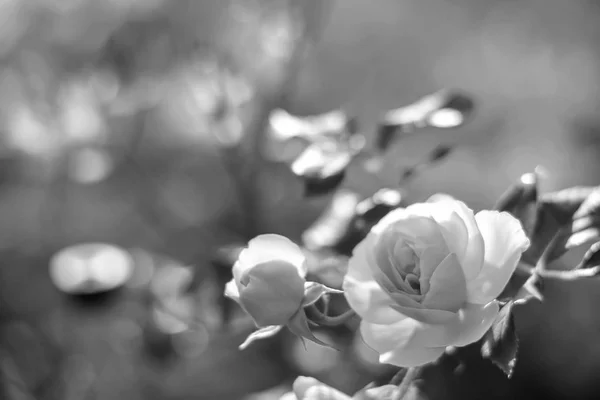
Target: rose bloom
point(427, 276)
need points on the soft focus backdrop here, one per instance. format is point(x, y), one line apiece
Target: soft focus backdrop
point(118, 120)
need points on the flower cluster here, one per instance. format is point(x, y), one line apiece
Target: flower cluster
point(425, 277)
point(419, 280)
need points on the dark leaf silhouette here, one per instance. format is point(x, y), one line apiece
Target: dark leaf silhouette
point(583, 227)
point(347, 220)
point(521, 200)
point(554, 211)
point(436, 155)
point(591, 257)
point(222, 262)
point(500, 343)
point(368, 213)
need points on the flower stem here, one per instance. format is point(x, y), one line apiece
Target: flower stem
point(397, 379)
point(569, 275)
point(411, 375)
point(320, 318)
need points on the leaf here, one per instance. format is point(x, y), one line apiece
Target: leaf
point(521, 200)
point(531, 289)
point(262, 333)
point(284, 125)
point(298, 325)
point(583, 227)
point(334, 223)
point(287, 130)
point(368, 213)
point(444, 109)
point(372, 209)
point(323, 164)
point(591, 257)
point(314, 186)
point(564, 203)
point(328, 266)
point(500, 343)
point(551, 232)
point(436, 155)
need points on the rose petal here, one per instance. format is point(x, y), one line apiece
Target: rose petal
point(472, 323)
point(505, 241)
point(425, 315)
point(270, 247)
point(411, 357)
point(461, 233)
point(271, 292)
point(384, 338)
point(469, 325)
point(448, 288)
point(363, 294)
point(421, 232)
point(440, 197)
point(231, 290)
point(429, 259)
point(411, 225)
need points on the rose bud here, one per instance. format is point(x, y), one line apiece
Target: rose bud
point(269, 284)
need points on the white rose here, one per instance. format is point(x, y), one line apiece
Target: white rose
point(427, 276)
point(269, 284)
point(268, 280)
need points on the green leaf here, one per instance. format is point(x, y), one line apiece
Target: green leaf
point(500, 343)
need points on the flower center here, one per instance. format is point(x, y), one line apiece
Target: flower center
point(413, 282)
point(406, 264)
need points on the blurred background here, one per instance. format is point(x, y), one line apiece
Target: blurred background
point(130, 137)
